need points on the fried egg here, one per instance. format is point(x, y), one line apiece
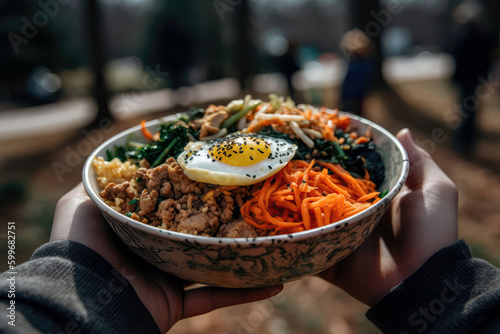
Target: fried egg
point(238, 160)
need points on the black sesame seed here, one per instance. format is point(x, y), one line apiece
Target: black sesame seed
point(260, 150)
point(248, 175)
point(251, 158)
point(254, 176)
point(270, 167)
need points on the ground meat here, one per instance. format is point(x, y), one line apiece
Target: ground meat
point(227, 205)
point(114, 191)
point(238, 228)
point(140, 179)
point(170, 200)
point(155, 177)
point(166, 211)
point(182, 184)
point(196, 224)
point(132, 192)
point(144, 164)
point(166, 190)
point(147, 202)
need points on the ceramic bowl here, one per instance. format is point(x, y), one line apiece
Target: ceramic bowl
point(257, 262)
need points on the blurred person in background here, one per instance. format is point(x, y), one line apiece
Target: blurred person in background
point(473, 55)
point(359, 52)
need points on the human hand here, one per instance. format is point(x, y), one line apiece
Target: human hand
point(78, 219)
point(421, 220)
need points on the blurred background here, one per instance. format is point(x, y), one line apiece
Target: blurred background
point(74, 73)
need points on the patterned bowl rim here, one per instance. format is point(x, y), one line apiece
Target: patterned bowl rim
point(87, 175)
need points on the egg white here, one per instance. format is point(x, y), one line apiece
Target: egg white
point(203, 168)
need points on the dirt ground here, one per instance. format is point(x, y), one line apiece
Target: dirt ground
point(30, 187)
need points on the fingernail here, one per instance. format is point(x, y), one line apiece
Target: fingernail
point(406, 133)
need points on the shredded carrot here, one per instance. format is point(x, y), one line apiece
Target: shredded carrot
point(361, 140)
point(300, 197)
point(145, 131)
point(258, 126)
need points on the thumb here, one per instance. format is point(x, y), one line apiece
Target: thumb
point(422, 168)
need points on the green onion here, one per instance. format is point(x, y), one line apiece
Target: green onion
point(164, 153)
point(236, 117)
point(139, 179)
point(340, 151)
point(133, 144)
point(133, 201)
point(384, 193)
point(128, 214)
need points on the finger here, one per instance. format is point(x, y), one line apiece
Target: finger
point(77, 218)
point(204, 300)
point(66, 212)
point(422, 166)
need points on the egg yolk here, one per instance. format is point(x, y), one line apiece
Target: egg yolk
point(240, 151)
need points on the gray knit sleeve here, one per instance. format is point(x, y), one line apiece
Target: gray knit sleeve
point(68, 288)
point(451, 293)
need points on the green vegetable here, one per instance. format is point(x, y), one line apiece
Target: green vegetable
point(236, 117)
point(134, 144)
point(195, 113)
point(132, 202)
point(139, 179)
point(128, 214)
point(120, 152)
point(384, 193)
point(340, 151)
point(173, 139)
point(117, 152)
point(275, 101)
point(163, 155)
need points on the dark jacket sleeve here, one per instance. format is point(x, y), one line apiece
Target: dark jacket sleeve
point(451, 293)
point(68, 288)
